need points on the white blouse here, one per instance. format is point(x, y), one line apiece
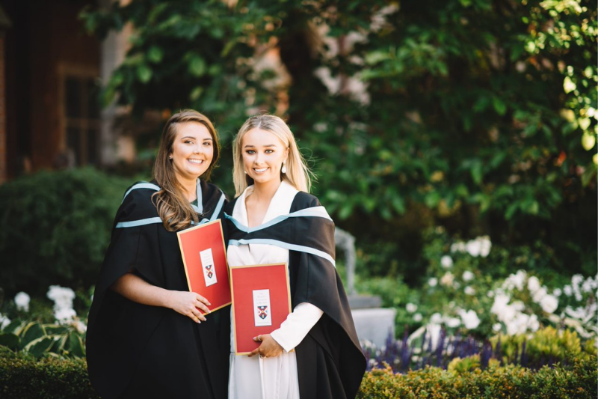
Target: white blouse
point(276, 377)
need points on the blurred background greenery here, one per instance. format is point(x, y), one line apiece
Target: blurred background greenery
point(462, 118)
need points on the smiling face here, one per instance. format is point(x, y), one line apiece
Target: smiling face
point(263, 155)
point(192, 151)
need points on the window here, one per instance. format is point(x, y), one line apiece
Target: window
point(81, 119)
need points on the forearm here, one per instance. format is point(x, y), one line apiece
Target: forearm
point(297, 325)
point(138, 290)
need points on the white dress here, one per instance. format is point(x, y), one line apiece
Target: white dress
point(276, 377)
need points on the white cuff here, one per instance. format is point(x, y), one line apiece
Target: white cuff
point(297, 325)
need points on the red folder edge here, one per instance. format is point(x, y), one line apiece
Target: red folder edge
point(256, 330)
point(225, 264)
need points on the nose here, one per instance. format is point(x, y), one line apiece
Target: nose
point(258, 158)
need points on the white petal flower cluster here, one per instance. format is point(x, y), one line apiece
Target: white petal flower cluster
point(433, 282)
point(447, 279)
point(22, 300)
point(470, 319)
point(512, 316)
point(468, 276)
point(446, 262)
point(411, 307)
point(63, 303)
point(480, 246)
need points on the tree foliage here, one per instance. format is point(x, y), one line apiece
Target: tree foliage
point(479, 114)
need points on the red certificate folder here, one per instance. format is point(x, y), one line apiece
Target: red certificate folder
point(261, 302)
point(204, 257)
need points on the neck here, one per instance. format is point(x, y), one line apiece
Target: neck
point(189, 187)
point(265, 191)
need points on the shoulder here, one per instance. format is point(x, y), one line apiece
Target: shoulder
point(304, 200)
point(230, 207)
point(137, 200)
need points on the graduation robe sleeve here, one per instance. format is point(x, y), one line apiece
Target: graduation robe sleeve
point(124, 338)
point(330, 362)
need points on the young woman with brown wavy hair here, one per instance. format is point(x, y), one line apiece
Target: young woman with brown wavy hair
point(147, 336)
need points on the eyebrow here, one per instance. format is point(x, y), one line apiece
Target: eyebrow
point(267, 145)
point(195, 138)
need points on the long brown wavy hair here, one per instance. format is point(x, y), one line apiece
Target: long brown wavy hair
point(173, 206)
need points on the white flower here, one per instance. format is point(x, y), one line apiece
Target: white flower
point(62, 297)
point(549, 303)
point(470, 319)
point(80, 326)
point(411, 307)
point(533, 284)
point(469, 290)
point(473, 248)
point(64, 315)
point(485, 246)
point(458, 247)
point(567, 290)
point(587, 285)
point(468, 276)
point(436, 318)
point(446, 261)
point(4, 321)
point(433, 282)
point(497, 327)
point(456, 285)
point(557, 292)
point(447, 279)
point(518, 324)
point(490, 294)
point(576, 280)
point(417, 317)
point(22, 300)
point(533, 324)
point(578, 313)
point(453, 322)
point(539, 294)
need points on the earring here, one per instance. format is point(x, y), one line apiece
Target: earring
point(170, 158)
point(245, 171)
point(284, 168)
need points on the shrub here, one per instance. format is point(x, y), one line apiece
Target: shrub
point(22, 377)
point(578, 381)
point(55, 228)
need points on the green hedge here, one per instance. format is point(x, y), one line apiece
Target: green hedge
point(575, 382)
point(51, 378)
point(55, 228)
point(24, 378)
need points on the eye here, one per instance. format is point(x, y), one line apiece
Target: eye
point(269, 151)
point(250, 152)
point(188, 141)
point(207, 143)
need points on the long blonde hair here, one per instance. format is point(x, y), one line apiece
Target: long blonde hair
point(297, 174)
point(173, 207)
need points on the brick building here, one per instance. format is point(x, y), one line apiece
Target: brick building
point(50, 74)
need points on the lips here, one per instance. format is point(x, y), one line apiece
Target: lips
point(196, 161)
point(260, 170)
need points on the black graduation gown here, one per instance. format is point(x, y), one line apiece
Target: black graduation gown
point(330, 362)
point(139, 351)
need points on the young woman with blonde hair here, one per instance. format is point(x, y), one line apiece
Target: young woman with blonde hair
point(147, 336)
point(315, 353)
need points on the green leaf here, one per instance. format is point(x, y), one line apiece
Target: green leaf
point(499, 106)
point(197, 66)
point(476, 172)
point(568, 85)
point(38, 347)
point(33, 331)
point(144, 73)
point(9, 340)
point(155, 54)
